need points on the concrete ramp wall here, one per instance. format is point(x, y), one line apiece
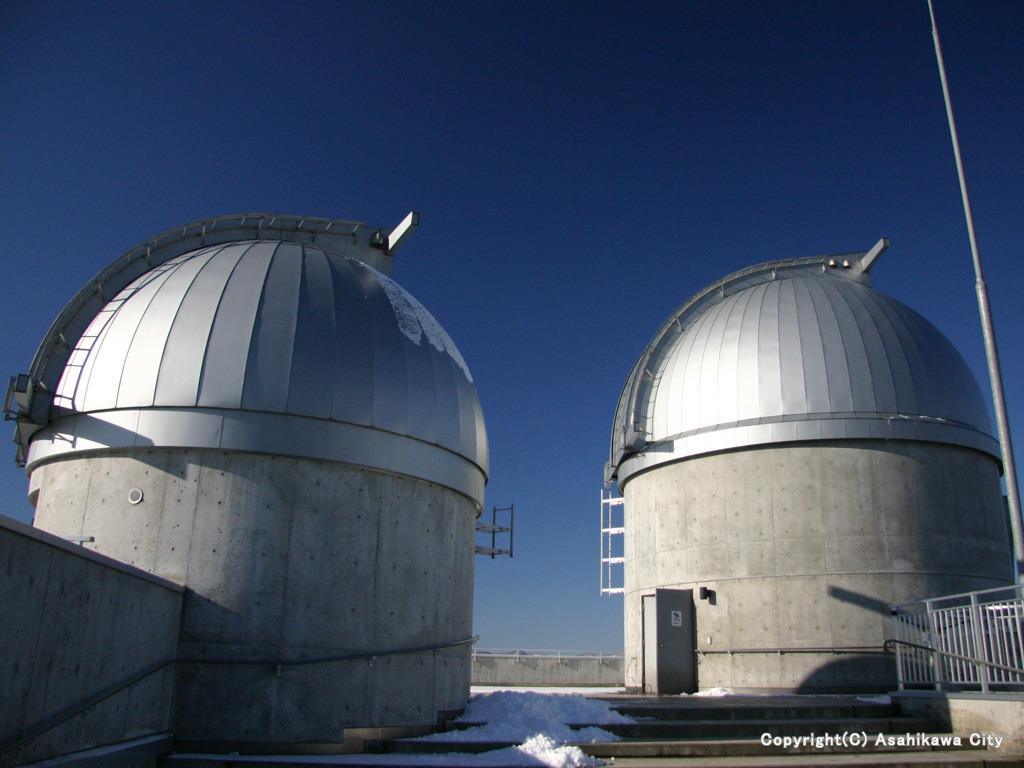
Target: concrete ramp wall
point(75, 624)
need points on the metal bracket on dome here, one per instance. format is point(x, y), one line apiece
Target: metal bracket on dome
point(868, 259)
point(19, 396)
point(494, 529)
point(402, 231)
point(17, 408)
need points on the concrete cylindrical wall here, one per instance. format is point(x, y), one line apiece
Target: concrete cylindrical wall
point(290, 559)
point(804, 546)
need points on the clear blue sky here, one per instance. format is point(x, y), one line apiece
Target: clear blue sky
point(581, 168)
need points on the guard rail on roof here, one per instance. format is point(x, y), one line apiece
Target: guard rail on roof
point(520, 654)
point(969, 641)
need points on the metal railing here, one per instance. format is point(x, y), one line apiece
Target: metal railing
point(519, 654)
point(837, 650)
point(973, 640)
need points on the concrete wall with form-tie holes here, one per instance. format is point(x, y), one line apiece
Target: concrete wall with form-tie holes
point(76, 622)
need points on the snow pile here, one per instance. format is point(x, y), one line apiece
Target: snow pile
point(714, 692)
point(511, 705)
point(546, 752)
point(512, 716)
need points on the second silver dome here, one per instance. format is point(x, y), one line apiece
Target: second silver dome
point(793, 351)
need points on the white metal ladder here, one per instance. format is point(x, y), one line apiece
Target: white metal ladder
point(613, 521)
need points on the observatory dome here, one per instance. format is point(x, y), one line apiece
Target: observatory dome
point(795, 452)
point(788, 351)
point(249, 407)
point(278, 347)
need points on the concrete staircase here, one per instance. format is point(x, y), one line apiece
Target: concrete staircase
point(728, 730)
point(697, 731)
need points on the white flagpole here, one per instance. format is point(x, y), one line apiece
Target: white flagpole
point(992, 355)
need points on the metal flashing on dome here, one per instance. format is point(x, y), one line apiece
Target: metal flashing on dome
point(222, 429)
point(793, 350)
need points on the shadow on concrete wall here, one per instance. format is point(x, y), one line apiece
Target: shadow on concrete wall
point(855, 673)
point(871, 671)
point(867, 602)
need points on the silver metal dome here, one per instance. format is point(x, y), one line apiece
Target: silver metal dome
point(276, 347)
point(794, 350)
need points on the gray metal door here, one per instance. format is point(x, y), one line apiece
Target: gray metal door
point(648, 608)
point(669, 642)
point(677, 662)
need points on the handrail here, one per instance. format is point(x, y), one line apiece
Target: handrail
point(971, 659)
point(784, 651)
point(339, 657)
point(19, 740)
point(544, 653)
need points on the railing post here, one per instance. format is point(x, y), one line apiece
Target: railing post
point(980, 652)
point(1015, 619)
point(897, 632)
point(933, 632)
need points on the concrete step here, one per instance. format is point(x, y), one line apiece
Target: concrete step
point(130, 754)
point(752, 748)
point(695, 732)
point(966, 759)
point(975, 758)
point(753, 728)
point(978, 758)
point(346, 761)
point(735, 727)
point(694, 748)
point(694, 753)
point(755, 711)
